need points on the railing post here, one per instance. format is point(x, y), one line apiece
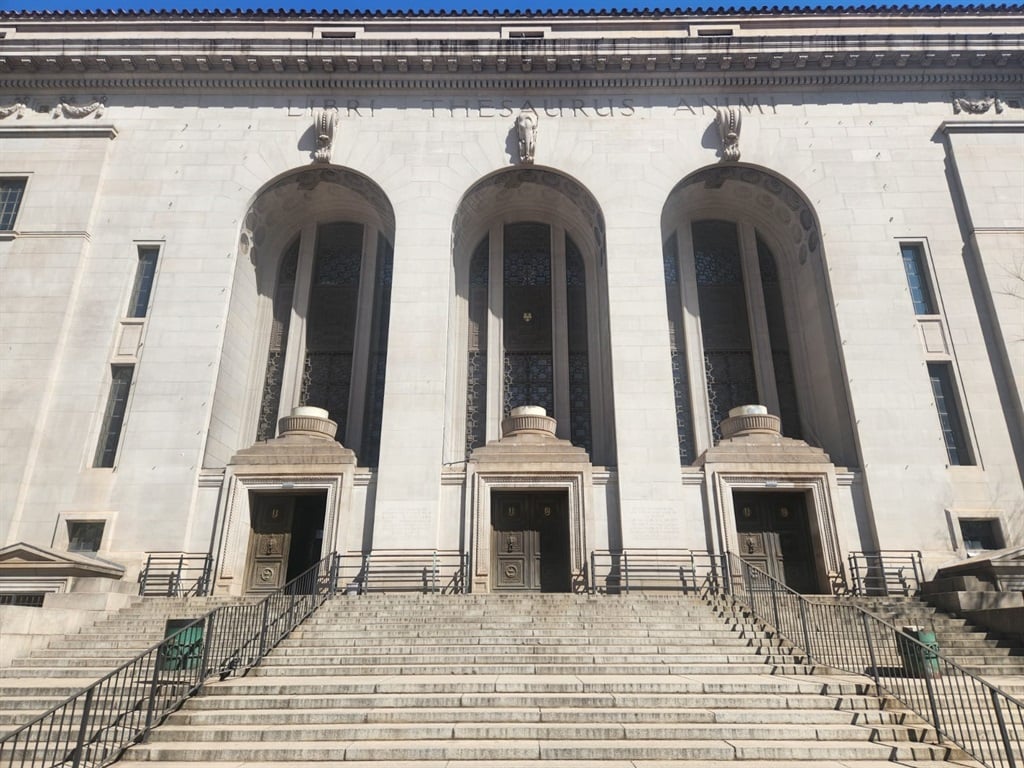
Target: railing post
point(931, 701)
point(871, 647)
point(145, 575)
point(625, 571)
point(803, 625)
point(181, 564)
point(592, 576)
point(83, 728)
point(154, 685)
point(207, 643)
point(775, 604)
point(1004, 734)
point(332, 570)
point(263, 628)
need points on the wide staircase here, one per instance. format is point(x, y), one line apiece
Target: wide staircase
point(553, 680)
point(34, 683)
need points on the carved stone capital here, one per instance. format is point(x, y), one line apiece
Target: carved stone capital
point(729, 120)
point(325, 122)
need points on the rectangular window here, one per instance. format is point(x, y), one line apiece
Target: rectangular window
point(980, 534)
point(11, 192)
point(84, 536)
point(951, 420)
point(143, 287)
point(113, 418)
point(917, 279)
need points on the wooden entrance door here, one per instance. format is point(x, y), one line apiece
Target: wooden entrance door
point(530, 542)
point(774, 536)
point(271, 542)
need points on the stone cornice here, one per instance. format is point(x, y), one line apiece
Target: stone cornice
point(861, 60)
point(820, 79)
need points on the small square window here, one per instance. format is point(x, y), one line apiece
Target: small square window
point(11, 192)
point(84, 536)
point(980, 534)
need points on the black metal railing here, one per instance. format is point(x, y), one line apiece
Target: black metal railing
point(176, 574)
point(964, 708)
point(441, 571)
point(620, 571)
point(95, 726)
point(887, 572)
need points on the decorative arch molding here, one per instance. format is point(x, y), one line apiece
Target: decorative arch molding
point(512, 196)
point(522, 191)
point(286, 210)
point(778, 208)
point(277, 211)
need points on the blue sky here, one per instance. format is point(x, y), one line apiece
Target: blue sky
point(413, 5)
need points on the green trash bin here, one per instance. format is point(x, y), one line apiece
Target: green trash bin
point(919, 660)
point(185, 648)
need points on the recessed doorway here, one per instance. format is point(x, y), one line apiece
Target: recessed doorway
point(530, 542)
point(287, 537)
point(774, 535)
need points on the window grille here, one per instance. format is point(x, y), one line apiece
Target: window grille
point(677, 352)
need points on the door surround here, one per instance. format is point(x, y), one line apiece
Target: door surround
point(484, 485)
point(820, 492)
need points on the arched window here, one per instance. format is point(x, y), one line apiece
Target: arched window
point(749, 315)
point(533, 286)
point(328, 339)
point(544, 342)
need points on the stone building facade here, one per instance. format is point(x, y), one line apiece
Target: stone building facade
point(419, 230)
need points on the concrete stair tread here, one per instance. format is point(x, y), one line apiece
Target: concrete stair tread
point(819, 763)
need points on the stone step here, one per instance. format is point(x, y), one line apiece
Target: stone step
point(423, 700)
point(385, 751)
point(538, 655)
point(519, 731)
point(401, 668)
point(315, 712)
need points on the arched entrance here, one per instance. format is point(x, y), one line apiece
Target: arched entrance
point(307, 329)
point(530, 303)
point(751, 325)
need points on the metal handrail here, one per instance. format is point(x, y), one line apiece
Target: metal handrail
point(176, 574)
point(95, 726)
point(621, 571)
point(886, 572)
point(440, 571)
point(963, 708)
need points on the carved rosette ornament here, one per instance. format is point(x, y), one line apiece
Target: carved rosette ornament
point(76, 111)
point(729, 121)
point(526, 130)
point(325, 122)
point(17, 109)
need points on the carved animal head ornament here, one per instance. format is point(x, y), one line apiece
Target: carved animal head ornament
point(325, 122)
point(526, 130)
point(729, 122)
